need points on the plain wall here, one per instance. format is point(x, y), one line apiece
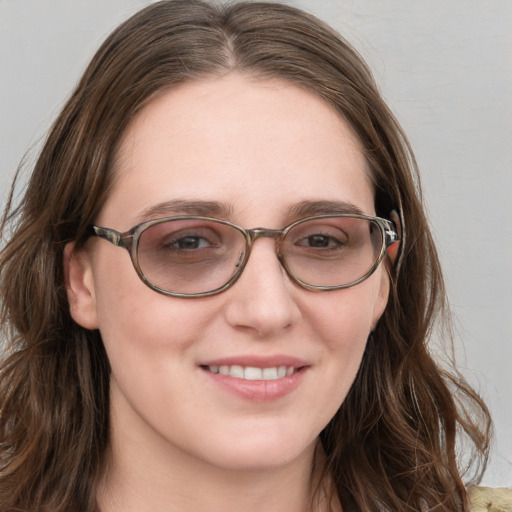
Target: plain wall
point(445, 68)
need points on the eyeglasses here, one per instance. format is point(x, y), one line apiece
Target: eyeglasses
point(195, 256)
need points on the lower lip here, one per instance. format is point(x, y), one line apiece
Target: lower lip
point(258, 390)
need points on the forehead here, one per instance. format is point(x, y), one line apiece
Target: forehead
point(247, 143)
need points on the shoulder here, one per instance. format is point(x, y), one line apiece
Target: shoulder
point(490, 499)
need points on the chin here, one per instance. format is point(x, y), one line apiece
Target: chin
point(263, 453)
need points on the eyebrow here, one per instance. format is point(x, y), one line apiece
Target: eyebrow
point(309, 208)
point(187, 207)
point(223, 210)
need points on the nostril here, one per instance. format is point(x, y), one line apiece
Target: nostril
point(262, 300)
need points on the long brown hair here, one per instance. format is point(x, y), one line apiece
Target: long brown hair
point(392, 444)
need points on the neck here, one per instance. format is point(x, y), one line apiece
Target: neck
point(180, 484)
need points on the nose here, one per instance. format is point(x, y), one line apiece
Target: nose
point(262, 300)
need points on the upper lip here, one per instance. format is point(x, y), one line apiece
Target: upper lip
point(257, 361)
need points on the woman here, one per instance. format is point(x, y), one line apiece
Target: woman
point(298, 378)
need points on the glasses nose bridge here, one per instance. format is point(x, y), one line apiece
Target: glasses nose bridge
point(256, 233)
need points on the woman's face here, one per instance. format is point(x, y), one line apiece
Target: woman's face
point(246, 151)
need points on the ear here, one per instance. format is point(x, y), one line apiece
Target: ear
point(393, 249)
point(382, 297)
point(79, 283)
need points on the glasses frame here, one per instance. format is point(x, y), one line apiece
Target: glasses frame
point(129, 240)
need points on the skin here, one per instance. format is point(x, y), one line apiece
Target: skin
point(179, 441)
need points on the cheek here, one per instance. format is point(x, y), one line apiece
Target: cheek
point(346, 317)
point(149, 339)
point(136, 323)
point(343, 321)
point(147, 322)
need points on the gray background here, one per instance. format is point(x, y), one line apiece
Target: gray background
point(445, 68)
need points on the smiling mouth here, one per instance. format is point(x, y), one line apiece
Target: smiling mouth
point(251, 372)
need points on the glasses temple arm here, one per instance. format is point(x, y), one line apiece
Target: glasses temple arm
point(111, 235)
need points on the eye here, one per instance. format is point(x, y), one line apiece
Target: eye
point(320, 241)
point(187, 243)
point(319, 236)
point(181, 237)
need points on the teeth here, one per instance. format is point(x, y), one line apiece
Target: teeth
point(269, 373)
point(252, 373)
point(237, 371)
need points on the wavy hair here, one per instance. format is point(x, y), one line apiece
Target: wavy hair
point(392, 444)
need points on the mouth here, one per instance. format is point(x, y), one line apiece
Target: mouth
point(257, 379)
point(252, 372)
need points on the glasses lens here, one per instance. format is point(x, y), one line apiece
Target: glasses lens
point(333, 251)
point(190, 256)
